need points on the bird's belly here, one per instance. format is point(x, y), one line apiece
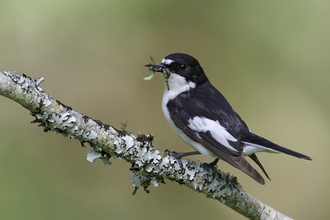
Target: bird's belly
point(197, 146)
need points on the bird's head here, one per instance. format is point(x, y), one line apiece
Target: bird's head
point(180, 70)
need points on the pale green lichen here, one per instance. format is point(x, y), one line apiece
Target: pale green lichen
point(92, 156)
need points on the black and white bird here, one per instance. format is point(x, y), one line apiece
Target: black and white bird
point(204, 119)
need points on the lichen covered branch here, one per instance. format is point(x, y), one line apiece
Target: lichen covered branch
point(149, 165)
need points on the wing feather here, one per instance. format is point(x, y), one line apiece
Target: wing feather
point(232, 156)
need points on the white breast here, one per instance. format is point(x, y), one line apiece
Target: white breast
point(177, 85)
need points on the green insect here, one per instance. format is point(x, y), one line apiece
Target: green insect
point(161, 68)
point(152, 64)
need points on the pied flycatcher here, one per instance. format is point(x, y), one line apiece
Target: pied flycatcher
point(204, 119)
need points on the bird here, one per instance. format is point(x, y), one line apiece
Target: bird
point(202, 117)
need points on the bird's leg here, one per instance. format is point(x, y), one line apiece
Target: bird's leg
point(214, 162)
point(212, 165)
point(179, 155)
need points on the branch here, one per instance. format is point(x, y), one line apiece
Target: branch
point(149, 165)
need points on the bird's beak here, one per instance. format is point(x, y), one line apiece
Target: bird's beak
point(161, 68)
point(156, 67)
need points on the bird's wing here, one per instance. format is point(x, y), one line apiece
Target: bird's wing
point(210, 134)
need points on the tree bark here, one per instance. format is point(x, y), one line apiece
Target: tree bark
point(149, 165)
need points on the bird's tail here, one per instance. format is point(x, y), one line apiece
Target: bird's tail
point(256, 160)
point(242, 164)
point(266, 145)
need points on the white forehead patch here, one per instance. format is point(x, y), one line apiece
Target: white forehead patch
point(167, 61)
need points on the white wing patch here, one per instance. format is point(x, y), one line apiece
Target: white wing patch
point(219, 133)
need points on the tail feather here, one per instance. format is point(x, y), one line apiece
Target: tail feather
point(242, 164)
point(264, 143)
point(256, 160)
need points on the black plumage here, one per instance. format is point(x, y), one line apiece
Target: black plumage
point(202, 101)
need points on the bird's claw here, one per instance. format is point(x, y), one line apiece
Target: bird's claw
point(176, 155)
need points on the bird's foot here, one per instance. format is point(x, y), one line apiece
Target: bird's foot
point(212, 165)
point(179, 155)
point(214, 162)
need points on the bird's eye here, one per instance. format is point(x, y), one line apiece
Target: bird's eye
point(182, 67)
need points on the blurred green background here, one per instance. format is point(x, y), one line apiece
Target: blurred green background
point(269, 58)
